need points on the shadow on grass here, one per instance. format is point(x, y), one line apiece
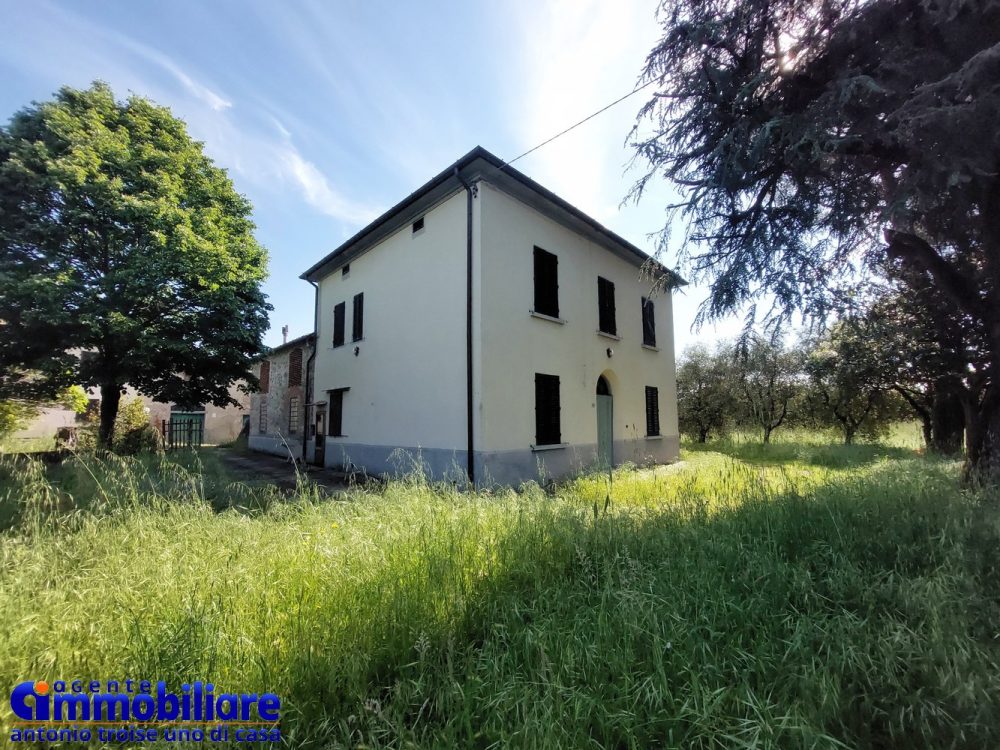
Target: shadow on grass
point(803, 452)
point(854, 615)
point(860, 612)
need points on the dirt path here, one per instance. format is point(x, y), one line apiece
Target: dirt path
point(263, 467)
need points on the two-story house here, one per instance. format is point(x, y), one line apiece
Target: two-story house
point(484, 327)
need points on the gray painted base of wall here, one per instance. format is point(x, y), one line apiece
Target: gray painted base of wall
point(514, 467)
point(275, 445)
point(389, 460)
point(501, 468)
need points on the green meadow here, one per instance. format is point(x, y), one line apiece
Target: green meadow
point(798, 595)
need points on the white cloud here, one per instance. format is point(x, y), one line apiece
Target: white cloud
point(258, 147)
point(318, 192)
point(200, 91)
point(150, 54)
point(253, 142)
point(280, 127)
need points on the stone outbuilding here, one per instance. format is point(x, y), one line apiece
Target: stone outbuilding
point(278, 409)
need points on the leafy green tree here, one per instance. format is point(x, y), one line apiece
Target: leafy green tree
point(133, 431)
point(850, 380)
point(816, 138)
point(928, 345)
point(75, 399)
point(770, 378)
point(120, 238)
point(15, 414)
point(706, 390)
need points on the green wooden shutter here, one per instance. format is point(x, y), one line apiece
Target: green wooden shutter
point(648, 323)
point(652, 411)
point(358, 323)
point(547, 408)
point(606, 306)
point(339, 313)
point(546, 283)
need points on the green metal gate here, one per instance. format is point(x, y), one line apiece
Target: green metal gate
point(184, 430)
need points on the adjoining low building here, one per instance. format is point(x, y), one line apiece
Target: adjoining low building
point(216, 424)
point(278, 409)
point(213, 425)
point(48, 421)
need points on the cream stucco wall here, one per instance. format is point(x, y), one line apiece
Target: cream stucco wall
point(46, 423)
point(514, 345)
point(407, 381)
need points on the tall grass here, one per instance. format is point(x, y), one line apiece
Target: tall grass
point(12, 444)
point(724, 602)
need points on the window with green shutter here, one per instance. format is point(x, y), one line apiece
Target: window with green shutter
point(336, 425)
point(358, 321)
point(339, 312)
point(606, 306)
point(546, 283)
point(547, 430)
point(652, 411)
point(648, 323)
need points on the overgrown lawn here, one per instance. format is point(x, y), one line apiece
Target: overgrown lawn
point(806, 595)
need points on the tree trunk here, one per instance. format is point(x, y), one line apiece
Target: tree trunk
point(947, 423)
point(702, 435)
point(111, 396)
point(848, 435)
point(924, 414)
point(982, 464)
point(982, 432)
point(926, 426)
point(767, 435)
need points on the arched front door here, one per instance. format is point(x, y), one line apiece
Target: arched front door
point(605, 422)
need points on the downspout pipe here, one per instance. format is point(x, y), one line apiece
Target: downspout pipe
point(309, 384)
point(469, 440)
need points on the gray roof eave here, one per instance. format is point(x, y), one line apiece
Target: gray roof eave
point(481, 164)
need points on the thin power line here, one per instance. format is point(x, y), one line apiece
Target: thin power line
point(561, 133)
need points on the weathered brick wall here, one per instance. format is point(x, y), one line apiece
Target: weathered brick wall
point(278, 399)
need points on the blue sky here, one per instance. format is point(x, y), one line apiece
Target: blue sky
point(325, 114)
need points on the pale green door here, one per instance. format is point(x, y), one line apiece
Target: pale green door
point(605, 432)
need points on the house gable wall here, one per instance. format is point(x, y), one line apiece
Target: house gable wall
point(513, 346)
point(407, 374)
